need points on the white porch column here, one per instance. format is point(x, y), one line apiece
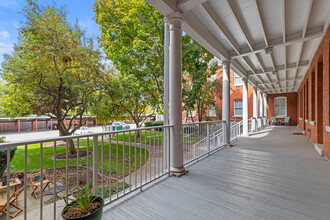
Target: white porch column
point(245, 108)
point(265, 108)
point(255, 109)
point(226, 99)
point(261, 109)
point(175, 95)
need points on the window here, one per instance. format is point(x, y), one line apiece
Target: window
point(280, 106)
point(237, 80)
point(191, 112)
point(238, 107)
point(213, 78)
point(212, 111)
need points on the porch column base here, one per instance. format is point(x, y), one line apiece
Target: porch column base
point(178, 172)
point(228, 145)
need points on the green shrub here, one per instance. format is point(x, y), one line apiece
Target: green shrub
point(3, 156)
point(157, 123)
point(147, 124)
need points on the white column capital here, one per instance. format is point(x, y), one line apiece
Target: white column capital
point(174, 20)
point(226, 63)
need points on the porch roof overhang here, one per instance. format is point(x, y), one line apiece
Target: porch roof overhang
point(270, 42)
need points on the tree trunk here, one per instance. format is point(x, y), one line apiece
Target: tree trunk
point(137, 133)
point(72, 149)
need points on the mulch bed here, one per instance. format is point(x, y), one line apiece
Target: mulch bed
point(82, 181)
point(71, 156)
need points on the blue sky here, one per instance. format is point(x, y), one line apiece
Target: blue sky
point(10, 19)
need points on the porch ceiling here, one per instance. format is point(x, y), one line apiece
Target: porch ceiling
point(270, 41)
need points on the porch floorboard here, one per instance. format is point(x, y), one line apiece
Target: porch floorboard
point(272, 174)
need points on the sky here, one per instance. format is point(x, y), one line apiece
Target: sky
point(10, 19)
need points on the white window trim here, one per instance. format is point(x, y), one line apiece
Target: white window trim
point(235, 115)
point(237, 84)
point(210, 109)
point(286, 107)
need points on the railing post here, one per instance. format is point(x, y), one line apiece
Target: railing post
point(208, 137)
point(95, 165)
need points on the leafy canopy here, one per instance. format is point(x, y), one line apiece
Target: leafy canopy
point(132, 37)
point(55, 69)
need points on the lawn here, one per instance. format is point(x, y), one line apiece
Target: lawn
point(33, 158)
point(148, 137)
point(152, 138)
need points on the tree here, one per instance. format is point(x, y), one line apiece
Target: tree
point(3, 156)
point(198, 91)
point(132, 37)
point(124, 97)
point(55, 69)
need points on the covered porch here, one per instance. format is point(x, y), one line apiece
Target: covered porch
point(272, 174)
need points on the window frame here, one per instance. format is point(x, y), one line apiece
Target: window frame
point(214, 108)
point(236, 83)
point(237, 115)
point(286, 107)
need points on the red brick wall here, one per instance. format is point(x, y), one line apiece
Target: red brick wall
point(236, 92)
point(316, 98)
point(292, 102)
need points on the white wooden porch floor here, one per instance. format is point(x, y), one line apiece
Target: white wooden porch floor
point(270, 175)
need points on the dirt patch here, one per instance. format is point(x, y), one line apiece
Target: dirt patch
point(73, 182)
point(71, 156)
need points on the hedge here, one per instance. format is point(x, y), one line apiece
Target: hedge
point(153, 123)
point(3, 156)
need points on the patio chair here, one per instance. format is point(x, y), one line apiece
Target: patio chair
point(35, 182)
point(12, 200)
point(286, 120)
point(273, 120)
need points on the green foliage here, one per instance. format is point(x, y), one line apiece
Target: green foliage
point(132, 37)
point(3, 156)
point(83, 201)
point(153, 123)
point(198, 91)
point(124, 95)
point(106, 190)
point(55, 69)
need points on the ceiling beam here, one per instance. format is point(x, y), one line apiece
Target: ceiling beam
point(263, 68)
point(260, 19)
point(308, 12)
point(214, 17)
point(298, 59)
point(200, 28)
point(188, 5)
point(289, 66)
point(239, 23)
point(283, 20)
point(249, 64)
point(279, 43)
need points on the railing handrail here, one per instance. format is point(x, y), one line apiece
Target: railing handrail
point(203, 122)
point(43, 140)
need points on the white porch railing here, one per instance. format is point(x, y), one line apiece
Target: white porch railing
point(115, 163)
point(233, 131)
point(202, 138)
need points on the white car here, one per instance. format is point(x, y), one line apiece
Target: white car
point(123, 124)
point(83, 130)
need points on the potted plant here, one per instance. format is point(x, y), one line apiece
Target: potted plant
point(84, 206)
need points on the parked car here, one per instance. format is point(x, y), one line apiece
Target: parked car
point(83, 130)
point(120, 126)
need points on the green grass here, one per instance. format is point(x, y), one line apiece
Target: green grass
point(33, 158)
point(155, 137)
point(152, 138)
